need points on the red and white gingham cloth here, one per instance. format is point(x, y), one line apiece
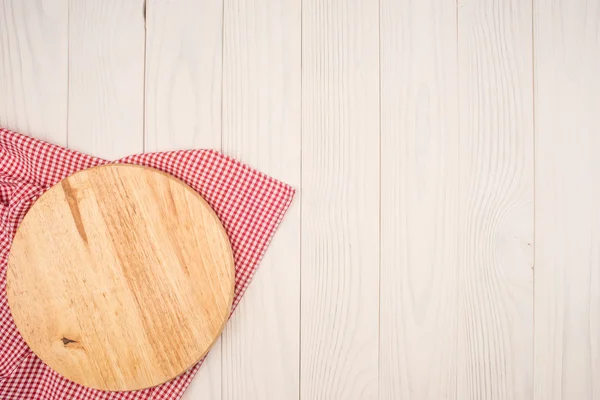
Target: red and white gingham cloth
point(249, 204)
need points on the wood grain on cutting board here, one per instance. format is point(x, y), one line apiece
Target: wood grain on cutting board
point(131, 275)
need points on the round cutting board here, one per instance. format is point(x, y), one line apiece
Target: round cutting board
point(120, 277)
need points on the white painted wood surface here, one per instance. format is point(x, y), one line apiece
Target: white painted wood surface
point(419, 288)
point(106, 42)
point(429, 141)
point(567, 215)
point(340, 200)
point(495, 259)
point(34, 67)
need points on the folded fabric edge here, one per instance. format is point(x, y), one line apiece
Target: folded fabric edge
point(133, 159)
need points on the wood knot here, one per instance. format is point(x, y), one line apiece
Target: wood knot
point(66, 341)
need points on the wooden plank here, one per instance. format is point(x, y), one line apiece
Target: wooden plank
point(495, 252)
point(261, 126)
point(340, 200)
point(106, 77)
point(183, 74)
point(183, 105)
point(567, 271)
point(33, 68)
point(419, 200)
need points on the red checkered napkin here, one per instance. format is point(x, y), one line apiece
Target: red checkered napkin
point(249, 204)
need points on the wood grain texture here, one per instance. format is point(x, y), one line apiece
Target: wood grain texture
point(456, 301)
point(419, 201)
point(33, 68)
point(340, 200)
point(183, 74)
point(261, 126)
point(106, 77)
point(495, 251)
point(120, 277)
point(183, 105)
point(567, 258)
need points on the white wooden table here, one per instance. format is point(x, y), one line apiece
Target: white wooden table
point(440, 149)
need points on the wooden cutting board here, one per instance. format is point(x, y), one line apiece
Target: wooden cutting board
point(120, 277)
